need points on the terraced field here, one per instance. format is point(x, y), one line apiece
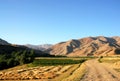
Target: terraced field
point(47, 72)
point(41, 73)
point(104, 69)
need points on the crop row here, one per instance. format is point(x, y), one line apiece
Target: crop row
point(46, 72)
point(49, 62)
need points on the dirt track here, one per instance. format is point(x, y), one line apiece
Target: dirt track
point(99, 72)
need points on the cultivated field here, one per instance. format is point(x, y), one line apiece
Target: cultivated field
point(46, 69)
point(66, 69)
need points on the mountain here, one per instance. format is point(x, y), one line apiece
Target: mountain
point(7, 48)
point(89, 46)
point(3, 42)
point(12, 55)
point(39, 47)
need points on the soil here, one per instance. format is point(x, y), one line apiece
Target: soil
point(99, 72)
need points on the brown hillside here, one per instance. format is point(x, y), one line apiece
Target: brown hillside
point(87, 46)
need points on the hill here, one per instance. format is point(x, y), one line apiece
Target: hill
point(3, 42)
point(12, 55)
point(89, 46)
point(8, 49)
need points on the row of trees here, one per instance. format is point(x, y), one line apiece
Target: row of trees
point(16, 58)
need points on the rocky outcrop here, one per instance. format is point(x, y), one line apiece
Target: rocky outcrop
point(88, 46)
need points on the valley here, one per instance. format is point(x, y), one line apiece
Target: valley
point(86, 59)
point(59, 40)
point(90, 70)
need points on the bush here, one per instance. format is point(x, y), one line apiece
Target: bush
point(100, 59)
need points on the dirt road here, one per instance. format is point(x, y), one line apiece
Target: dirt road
point(99, 72)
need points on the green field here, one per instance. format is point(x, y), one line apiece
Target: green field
point(57, 61)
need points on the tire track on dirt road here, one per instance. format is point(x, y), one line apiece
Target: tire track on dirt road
point(99, 72)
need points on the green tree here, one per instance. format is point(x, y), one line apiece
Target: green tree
point(32, 56)
point(10, 62)
point(17, 57)
point(23, 57)
point(3, 63)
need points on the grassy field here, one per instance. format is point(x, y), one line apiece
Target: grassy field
point(55, 61)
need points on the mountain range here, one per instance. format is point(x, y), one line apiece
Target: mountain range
point(8, 48)
point(88, 46)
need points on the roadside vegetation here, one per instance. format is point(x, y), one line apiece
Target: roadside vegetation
point(114, 62)
point(109, 59)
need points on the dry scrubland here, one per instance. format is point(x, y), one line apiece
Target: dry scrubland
point(56, 72)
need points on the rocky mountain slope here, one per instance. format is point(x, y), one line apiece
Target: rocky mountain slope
point(39, 47)
point(88, 46)
point(3, 42)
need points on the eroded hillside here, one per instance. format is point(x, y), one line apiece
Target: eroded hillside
point(87, 46)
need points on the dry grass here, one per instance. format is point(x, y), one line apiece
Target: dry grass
point(44, 73)
point(77, 74)
point(109, 59)
point(113, 62)
point(67, 73)
point(39, 73)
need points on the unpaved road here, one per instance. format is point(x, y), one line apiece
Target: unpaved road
point(99, 72)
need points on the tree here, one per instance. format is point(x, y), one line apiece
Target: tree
point(32, 56)
point(10, 62)
point(16, 58)
point(3, 63)
point(23, 57)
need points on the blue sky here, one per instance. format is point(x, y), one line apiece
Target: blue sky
point(53, 21)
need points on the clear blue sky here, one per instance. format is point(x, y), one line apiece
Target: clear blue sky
point(53, 21)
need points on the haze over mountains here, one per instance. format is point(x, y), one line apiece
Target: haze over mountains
point(88, 46)
point(7, 48)
point(36, 47)
point(39, 47)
